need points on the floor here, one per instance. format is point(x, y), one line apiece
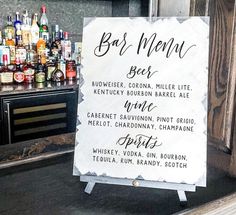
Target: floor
point(48, 187)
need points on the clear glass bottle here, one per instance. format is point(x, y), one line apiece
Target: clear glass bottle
point(25, 29)
point(35, 29)
point(43, 29)
point(9, 28)
point(66, 47)
point(32, 53)
point(21, 51)
point(29, 70)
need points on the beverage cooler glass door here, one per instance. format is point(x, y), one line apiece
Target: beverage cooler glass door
point(38, 115)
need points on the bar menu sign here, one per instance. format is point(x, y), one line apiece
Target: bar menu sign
point(144, 109)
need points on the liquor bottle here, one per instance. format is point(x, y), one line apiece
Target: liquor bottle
point(47, 49)
point(70, 70)
point(32, 53)
point(66, 47)
point(9, 28)
point(41, 45)
point(20, 50)
point(35, 29)
point(56, 44)
point(40, 75)
point(29, 70)
point(11, 44)
point(61, 35)
point(57, 75)
point(6, 75)
point(51, 66)
point(25, 29)
point(62, 65)
point(17, 25)
point(18, 73)
point(43, 29)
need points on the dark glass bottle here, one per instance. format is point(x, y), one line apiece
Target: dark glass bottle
point(40, 75)
point(18, 73)
point(58, 75)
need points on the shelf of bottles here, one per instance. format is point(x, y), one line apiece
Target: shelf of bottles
point(30, 53)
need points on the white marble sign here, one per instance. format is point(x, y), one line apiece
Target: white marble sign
point(144, 110)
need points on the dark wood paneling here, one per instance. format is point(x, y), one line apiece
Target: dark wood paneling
point(221, 24)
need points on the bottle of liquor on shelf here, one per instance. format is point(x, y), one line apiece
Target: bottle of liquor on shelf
point(43, 29)
point(41, 45)
point(40, 75)
point(18, 73)
point(29, 70)
point(55, 48)
point(11, 44)
point(4, 50)
point(25, 29)
point(6, 75)
point(9, 28)
point(66, 47)
point(58, 75)
point(17, 25)
point(51, 66)
point(62, 65)
point(32, 53)
point(35, 29)
point(70, 70)
point(47, 49)
point(20, 51)
point(61, 35)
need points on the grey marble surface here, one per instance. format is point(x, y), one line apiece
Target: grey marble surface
point(69, 14)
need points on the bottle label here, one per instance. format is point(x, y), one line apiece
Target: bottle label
point(19, 77)
point(49, 72)
point(21, 54)
point(45, 34)
point(26, 37)
point(41, 50)
point(55, 52)
point(12, 54)
point(18, 29)
point(7, 77)
point(10, 31)
point(40, 77)
point(29, 75)
point(62, 67)
point(35, 35)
